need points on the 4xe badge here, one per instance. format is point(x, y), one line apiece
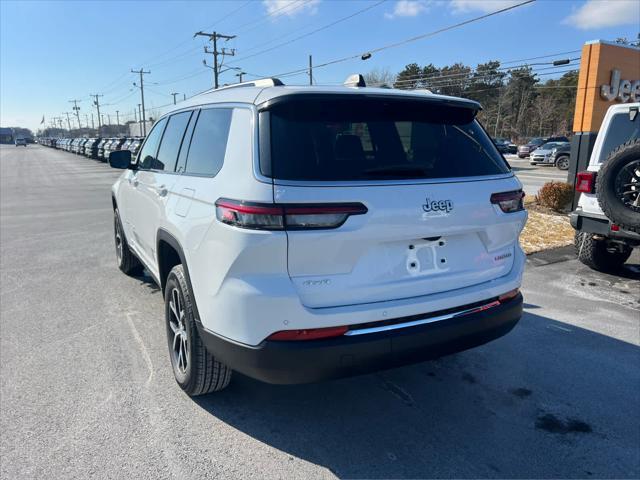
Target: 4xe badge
point(437, 208)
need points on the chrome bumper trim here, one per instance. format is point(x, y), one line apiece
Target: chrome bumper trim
point(438, 318)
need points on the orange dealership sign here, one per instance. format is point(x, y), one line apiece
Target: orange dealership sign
point(609, 74)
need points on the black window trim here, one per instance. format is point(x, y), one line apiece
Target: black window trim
point(168, 118)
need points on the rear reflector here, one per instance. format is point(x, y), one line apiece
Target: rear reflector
point(273, 216)
point(509, 295)
point(585, 181)
point(310, 334)
point(509, 202)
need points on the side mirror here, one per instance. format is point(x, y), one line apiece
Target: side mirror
point(120, 159)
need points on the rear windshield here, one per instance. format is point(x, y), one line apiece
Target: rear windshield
point(375, 139)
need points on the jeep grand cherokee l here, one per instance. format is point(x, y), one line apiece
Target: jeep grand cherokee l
point(306, 233)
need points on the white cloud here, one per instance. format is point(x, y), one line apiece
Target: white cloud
point(408, 8)
point(290, 8)
point(605, 13)
point(484, 6)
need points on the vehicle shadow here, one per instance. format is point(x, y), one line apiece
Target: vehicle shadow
point(547, 400)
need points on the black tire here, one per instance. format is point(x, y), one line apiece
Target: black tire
point(600, 255)
point(616, 188)
point(196, 371)
point(562, 162)
point(127, 261)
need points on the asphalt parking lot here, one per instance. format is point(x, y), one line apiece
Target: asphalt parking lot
point(534, 176)
point(87, 391)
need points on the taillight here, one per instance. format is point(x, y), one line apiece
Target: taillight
point(273, 216)
point(585, 181)
point(509, 201)
point(309, 334)
point(509, 295)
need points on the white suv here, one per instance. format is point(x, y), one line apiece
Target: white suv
point(307, 233)
point(607, 219)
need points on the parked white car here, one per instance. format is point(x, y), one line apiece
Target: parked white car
point(544, 153)
point(307, 233)
point(607, 219)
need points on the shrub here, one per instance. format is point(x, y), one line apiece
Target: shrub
point(555, 195)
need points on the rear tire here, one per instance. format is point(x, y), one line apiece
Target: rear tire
point(128, 263)
point(194, 368)
point(601, 255)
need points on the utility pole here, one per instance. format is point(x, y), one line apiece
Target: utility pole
point(76, 109)
point(174, 96)
point(140, 121)
point(310, 70)
point(213, 38)
point(102, 116)
point(68, 121)
point(93, 125)
point(239, 75)
point(141, 72)
point(108, 119)
point(118, 117)
point(97, 105)
point(86, 119)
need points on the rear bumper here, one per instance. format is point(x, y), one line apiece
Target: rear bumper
point(293, 362)
point(599, 225)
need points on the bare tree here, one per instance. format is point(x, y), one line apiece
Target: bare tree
point(379, 76)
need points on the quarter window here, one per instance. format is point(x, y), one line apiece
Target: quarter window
point(148, 153)
point(209, 142)
point(171, 141)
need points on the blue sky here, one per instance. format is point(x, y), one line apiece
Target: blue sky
point(52, 52)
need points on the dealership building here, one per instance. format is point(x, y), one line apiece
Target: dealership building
point(609, 75)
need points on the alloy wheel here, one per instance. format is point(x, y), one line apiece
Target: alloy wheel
point(180, 341)
point(118, 238)
point(627, 185)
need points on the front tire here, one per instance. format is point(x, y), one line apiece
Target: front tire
point(196, 371)
point(128, 263)
point(601, 255)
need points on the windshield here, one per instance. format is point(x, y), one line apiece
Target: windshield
point(366, 138)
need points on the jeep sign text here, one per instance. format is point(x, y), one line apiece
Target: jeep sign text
point(621, 90)
point(438, 206)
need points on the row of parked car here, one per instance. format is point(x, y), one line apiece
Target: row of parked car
point(98, 148)
point(547, 151)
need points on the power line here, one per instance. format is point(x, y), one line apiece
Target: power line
point(214, 37)
point(141, 72)
point(409, 40)
point(324, 27)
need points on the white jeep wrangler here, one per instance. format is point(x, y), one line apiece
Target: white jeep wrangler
point(607, 219)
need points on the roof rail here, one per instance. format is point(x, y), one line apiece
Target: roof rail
point(261, 82)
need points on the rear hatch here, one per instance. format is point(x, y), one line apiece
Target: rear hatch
point(394, 196)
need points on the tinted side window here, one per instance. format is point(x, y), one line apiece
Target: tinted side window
point(171, 141)
point(621, 130)
point(182, 158)
point(148, 153)
point(209, 142)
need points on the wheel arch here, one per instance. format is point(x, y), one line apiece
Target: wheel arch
point(170, 253)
